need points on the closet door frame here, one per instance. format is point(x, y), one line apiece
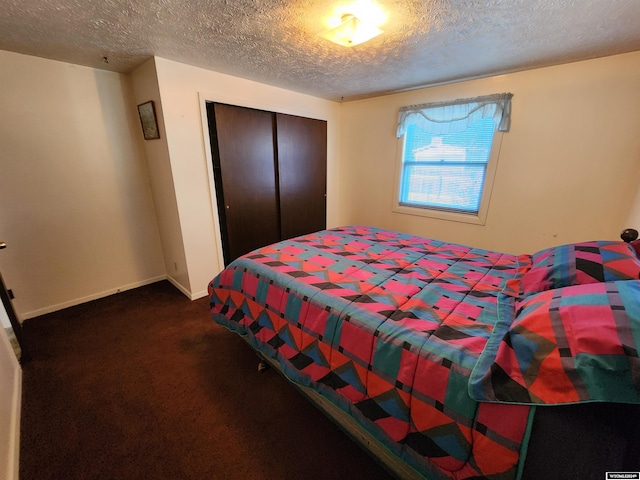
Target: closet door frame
point(205, 98)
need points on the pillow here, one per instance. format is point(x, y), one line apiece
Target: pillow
point(576, 264)
point(572, 344)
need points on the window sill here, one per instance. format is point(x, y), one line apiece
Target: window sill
point(478, 219)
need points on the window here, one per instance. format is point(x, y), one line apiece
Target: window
point(448, 154)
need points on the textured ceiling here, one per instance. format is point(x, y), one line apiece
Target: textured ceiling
point(276, 42)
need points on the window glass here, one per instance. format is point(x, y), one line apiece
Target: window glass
point(446, 171)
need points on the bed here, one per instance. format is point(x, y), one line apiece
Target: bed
point(453, 362)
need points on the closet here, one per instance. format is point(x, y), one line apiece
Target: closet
point(270, 173)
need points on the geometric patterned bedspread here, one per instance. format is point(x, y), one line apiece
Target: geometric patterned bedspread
point(388, 327)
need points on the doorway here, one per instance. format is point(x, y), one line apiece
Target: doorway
point(11, 324)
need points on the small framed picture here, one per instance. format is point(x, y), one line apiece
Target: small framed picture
point(147, 112)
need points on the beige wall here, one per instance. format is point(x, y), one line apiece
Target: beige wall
point(568, 170)
point(80, 201)
point(182, 92)
point(77, 212)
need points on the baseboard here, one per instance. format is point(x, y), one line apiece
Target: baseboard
point(201, 294)
point(95, 296)
point(106, 293)
point(188, 294)
point(179, 286)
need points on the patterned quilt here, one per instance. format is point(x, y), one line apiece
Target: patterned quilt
point(390, 328)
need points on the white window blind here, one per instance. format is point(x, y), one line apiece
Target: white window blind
point(446, 152)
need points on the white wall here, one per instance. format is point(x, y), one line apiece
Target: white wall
point(4, 319)
point(77, 212)
point(182, 92)
point(145, 87)
point(568, 169)
point(633, 220)
point(10, 398)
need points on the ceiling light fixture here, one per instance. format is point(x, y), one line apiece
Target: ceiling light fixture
point(351, 31)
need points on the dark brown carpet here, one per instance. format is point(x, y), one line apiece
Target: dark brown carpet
point(144, 385)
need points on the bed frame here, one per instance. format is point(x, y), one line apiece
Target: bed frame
point(350, 426)
point(576, 452)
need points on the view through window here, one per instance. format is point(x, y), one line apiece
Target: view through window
point(446, 171)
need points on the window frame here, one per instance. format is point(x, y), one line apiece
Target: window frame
point(487, 188)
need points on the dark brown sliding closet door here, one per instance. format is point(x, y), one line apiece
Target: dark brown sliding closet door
point(246, 155)
point(302, 170)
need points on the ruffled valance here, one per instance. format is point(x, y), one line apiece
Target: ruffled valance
point(457, 115)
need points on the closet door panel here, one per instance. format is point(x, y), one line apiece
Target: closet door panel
point(302, 171)
point(247, 166)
